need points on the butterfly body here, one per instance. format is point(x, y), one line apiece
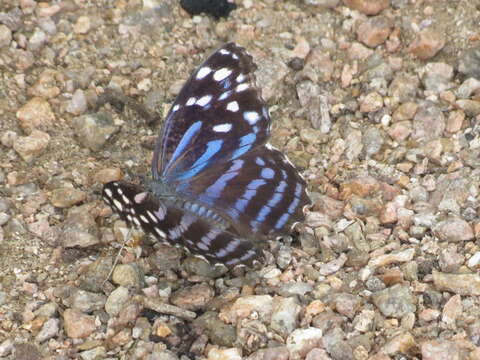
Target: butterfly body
point(169, 197)
point(218, 187)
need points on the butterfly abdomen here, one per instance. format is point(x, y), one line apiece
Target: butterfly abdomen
point(163, 192)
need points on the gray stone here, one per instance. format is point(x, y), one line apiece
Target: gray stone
point(469, 63)
point(284, 315)
point(395, 301)
point(116, 300)
point(94, 130)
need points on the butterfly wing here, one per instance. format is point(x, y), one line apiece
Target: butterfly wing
point(217, 117)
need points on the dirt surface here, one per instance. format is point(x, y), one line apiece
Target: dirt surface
point(376, 102)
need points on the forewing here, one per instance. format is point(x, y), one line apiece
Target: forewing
point(143, 209)
point(218, 116)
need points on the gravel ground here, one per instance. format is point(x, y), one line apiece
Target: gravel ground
point(377, 102)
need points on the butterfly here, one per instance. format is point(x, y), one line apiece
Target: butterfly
point(218, 188)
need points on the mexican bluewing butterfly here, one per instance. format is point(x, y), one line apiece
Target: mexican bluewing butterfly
point(218, 187)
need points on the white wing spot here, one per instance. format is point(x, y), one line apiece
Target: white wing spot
point(224, 52)
point(120, 191)
point(222, 128)
point(160, 232)
point(242, 87)
point(118, 204)
point(225, 95)
point(268, 173)
point(251, 116)
point(191, 101)
point(160, 213)
point(221, 74)
point(151, 216)
point(175, 107)
point(235, 56)
point(175, 233)
point(247, 255)
point(240, 78)
point(259, 161)
point(129, 217)
point(136, 221)
point(125, 199)
point(202, 246)
point(140, 197)
point(233, 106)
point(204, 71)
point(204, 100)
point(231, 246)
point(108, 192)
point(144, 219)
point(132, 211)
point(186, 221)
